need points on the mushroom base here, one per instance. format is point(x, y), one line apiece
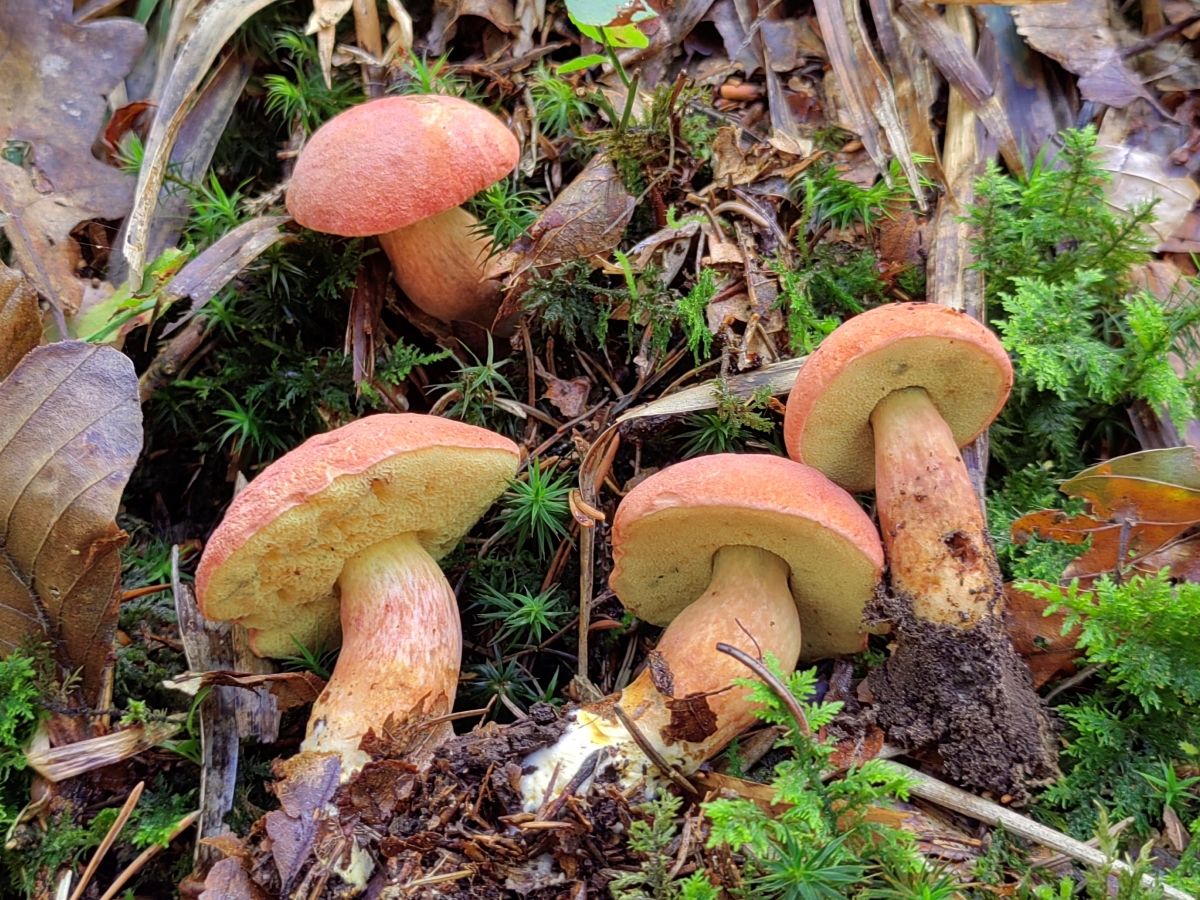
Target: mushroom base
point(441, 265)
point(966, 694)
point(401, 649)
point(683, 703)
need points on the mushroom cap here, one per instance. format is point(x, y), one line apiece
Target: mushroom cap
point(391, 162)
point(669, 527)
point(957, 360)
point(274, 561)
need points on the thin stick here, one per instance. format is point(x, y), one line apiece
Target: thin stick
point(774, 683)
point(549, 810)
point(676, 777)
point(148, 854)
point(929, 788)
point(109, 839)
point(144, 591)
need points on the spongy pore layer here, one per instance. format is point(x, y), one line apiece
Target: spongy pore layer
point(669, 528)
point(273, 563)
point(958, 361)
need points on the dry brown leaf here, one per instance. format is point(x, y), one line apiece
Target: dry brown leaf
point(1139, 176)
point(53, 78)
point(762, 795)
point(1078, 35)
point(1136, 506)
point(734, 166)
point(227, 880)
point(70, 433)
point(308, 782)
point(1039, 637)
point(1181, 557)
point(499, 12)
point(692, 719)
point(569, 397)
point(738, 48)
point(587, 219)
point(1176, 832)
point(1186, 238)
point(20, 321)
point(290, 689)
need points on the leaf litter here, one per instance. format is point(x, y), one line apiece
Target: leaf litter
point(718, 179)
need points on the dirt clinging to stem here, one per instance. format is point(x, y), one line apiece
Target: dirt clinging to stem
point(966, 693)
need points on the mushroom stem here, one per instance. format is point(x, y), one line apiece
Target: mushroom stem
point(932, 524)
point(401, 647)
point(747, 604)
point(953, 677)
point(441, 264)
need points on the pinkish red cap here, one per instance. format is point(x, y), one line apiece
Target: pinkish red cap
point(388, 163)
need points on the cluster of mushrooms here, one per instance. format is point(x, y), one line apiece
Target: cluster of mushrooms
point(339, 540)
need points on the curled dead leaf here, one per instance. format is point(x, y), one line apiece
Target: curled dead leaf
point(1039, 638)
point(54, 115)
point(20, 321)
point(290, 689)
point(70, 433)
point(587, 219)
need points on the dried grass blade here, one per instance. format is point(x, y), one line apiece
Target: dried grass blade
point(215, 27)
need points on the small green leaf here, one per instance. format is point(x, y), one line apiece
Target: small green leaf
point(603, 13)
point(583, 62)
point(622, 37)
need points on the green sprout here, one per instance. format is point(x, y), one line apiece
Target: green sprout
point(524, 615)
point(536, 508)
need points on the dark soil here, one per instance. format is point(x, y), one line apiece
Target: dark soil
point(968, 693)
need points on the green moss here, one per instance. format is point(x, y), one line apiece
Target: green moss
point(832, 280)
point(1056, 261)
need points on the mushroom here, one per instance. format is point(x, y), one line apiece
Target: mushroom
point(398, 168)
point(886, 401)
point(756, 551)
point(350, 525)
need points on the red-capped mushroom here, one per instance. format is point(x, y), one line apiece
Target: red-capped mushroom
point(342, 536)
point(754, 551)
point(886, 401)
point(398, 168)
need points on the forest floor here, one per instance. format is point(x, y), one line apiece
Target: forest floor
point(706, 191)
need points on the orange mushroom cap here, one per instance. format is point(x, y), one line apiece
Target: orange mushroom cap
point(958, 361)
point(669, 527)
point(274, 561)
point(387, 163)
